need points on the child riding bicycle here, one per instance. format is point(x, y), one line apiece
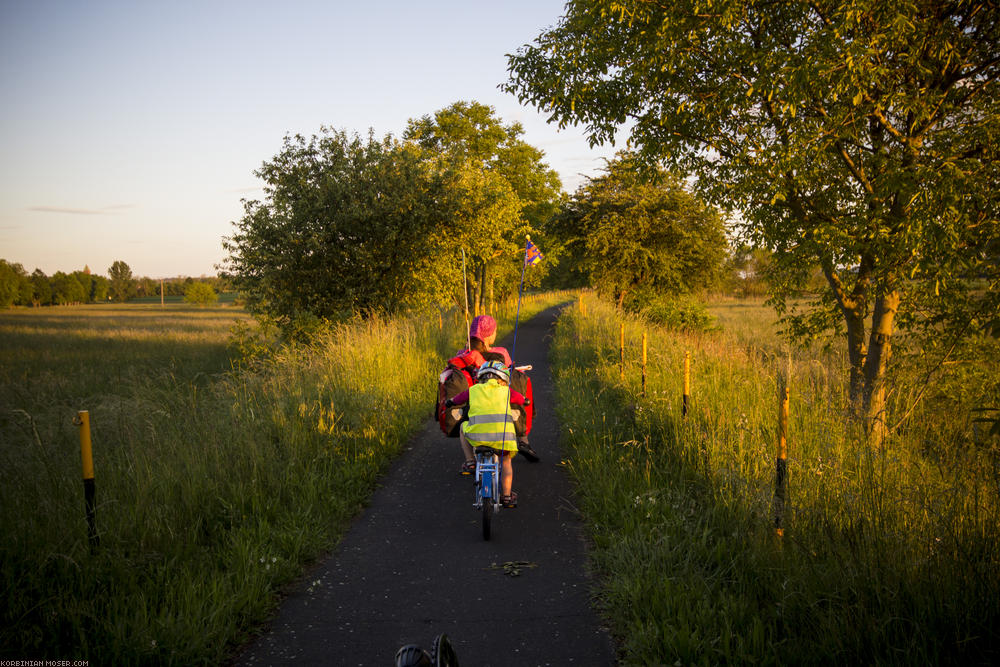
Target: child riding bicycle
point(491, 422)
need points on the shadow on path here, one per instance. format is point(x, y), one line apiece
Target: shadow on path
point(415, 564)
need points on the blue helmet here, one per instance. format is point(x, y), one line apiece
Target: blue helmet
point(493, 369)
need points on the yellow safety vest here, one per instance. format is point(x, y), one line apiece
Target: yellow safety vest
point(490, 422)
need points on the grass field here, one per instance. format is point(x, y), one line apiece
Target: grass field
point(217, 478)
point(889, 556)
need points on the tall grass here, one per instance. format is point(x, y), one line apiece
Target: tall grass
point(888, 556)
point(214, 487)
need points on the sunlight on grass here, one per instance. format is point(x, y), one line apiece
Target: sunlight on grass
point(214, 486)
point(885, 554)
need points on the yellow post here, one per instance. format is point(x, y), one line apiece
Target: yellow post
point(621, 347)
point(643, 363)
point(781, 466)
point(583, 307)
point(687, 384)
point(89, 491)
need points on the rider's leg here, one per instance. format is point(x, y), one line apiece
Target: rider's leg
point(508, 473)
point(469, 467)
point(466, 448)
point(525, 449)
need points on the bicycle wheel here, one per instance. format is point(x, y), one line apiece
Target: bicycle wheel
point(486, 498)
point(487, 517)
point(442, 652)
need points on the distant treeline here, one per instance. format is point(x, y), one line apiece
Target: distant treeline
point(20, 288)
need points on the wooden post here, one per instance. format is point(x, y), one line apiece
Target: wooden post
point(686, 398)
point(781, 466)
point(583, 307)
point(161, 292)
point(89, 491)
point(621, 348)
point(644, 363)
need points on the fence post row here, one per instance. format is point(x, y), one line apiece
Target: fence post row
point(687, 384)
point(643, 364)
point(89, 491)
point(621, 347)
point(781, 465)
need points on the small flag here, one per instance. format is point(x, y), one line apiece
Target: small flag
point(532, 255)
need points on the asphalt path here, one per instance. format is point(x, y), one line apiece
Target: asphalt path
point(415, 565)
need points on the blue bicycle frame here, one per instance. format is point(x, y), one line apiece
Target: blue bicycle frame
point(487, 486)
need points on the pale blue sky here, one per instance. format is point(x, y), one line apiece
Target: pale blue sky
point(130, 130)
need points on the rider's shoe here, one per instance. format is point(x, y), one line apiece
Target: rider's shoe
point(525, 450)
point(469, 467)
point(509, 501)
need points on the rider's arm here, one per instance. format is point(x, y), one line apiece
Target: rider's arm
point(516, 397)
point(458, 399)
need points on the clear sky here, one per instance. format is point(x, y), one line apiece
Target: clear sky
point(131, 129)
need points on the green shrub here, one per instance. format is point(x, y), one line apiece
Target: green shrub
point(200, 294)
point(680, 312)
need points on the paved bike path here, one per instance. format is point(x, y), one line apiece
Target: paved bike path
point(415, 564)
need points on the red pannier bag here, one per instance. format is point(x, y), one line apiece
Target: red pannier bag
point(458, 376)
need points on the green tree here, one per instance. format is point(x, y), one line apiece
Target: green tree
point(66, 289)
point(746, 270)
point(476, 145)
point(471, 132)
point(99, 286)
point(12, 283)
point(485, 220)
point(641, 231)
point(147, 287)
point(858, 138)
point(200, 294)
point(349, 224)
point(41, 289)
point(174, 287)
point(95, 287)
point(122, 287)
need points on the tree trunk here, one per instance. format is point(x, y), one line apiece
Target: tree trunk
point(856, 352)
point(876, 363)
point(482, 290)
point(854, 308)
point(492, 301)
point(476, 272)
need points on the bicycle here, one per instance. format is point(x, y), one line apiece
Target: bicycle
point(441, 655)
point(487, 486)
